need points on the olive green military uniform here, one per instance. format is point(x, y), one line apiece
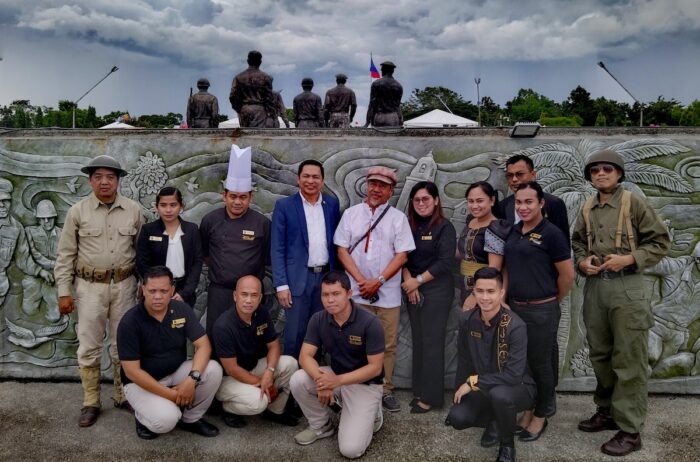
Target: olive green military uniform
point(616, 306)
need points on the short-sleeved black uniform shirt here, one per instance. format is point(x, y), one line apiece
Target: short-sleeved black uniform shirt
point(161, 347)
point(234, 338)
point(235, 247)
point(530, 260)
point(350, 344)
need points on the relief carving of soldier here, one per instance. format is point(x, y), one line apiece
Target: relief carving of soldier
point(43, 242)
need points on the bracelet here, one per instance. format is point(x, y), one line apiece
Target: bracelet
point(473, 381)
point(271, 369)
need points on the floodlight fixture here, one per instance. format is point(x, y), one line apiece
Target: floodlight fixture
point(525, 130)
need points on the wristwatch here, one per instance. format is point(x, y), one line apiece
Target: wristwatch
point(271, 369)
point(195, 375)
point(381, 279)
point(419, 278)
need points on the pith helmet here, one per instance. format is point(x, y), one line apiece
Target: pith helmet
point(203, 83)
point(103, 162)
point(609, 157)
point(6, 189)
point(45, 209)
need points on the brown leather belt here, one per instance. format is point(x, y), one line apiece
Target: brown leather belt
point(541, 301)
point(607, 275)
point(104, 276)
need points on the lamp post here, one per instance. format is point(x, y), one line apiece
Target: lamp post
point(641, 106)
point(477, 81)
point(75, 104)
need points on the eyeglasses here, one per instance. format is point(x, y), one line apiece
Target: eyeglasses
point(607, 168)
point(518, 175)
point(424, 199)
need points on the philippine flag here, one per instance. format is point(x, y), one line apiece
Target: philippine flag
point(373, 72)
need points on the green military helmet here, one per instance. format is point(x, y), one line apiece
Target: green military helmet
point(104, 161)
point(45, 209)
point(6, 189)
point(609, 157)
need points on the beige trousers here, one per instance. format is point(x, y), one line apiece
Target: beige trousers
point(389, 317)
point(361, 405)
point(160, 415)
point(244, 399)
point(98, 303)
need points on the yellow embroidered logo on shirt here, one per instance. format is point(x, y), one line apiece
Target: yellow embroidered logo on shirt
point(475, 334)
point(248, 235)
point(261, 329)
point(178, 323)
point(355, 340)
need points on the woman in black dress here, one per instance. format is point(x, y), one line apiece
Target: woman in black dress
point(428, 284)
point(173, 242)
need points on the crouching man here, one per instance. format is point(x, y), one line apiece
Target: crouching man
point(354, 340)
point(492, 380)
point(257, 377)
point(162, 386)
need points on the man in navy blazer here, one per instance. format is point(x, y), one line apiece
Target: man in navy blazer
point(302, 251)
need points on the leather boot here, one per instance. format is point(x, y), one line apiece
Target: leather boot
point(119, 398)
point(90, 379)
point(601, 420)
point(622, 444)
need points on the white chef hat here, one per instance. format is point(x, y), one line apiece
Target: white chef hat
point(239, 170)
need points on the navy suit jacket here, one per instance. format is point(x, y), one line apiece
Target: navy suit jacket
point(290, 240)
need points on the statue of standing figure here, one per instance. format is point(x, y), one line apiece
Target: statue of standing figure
point(203, 107)
point(277, 110)
point(384, 108)
point(339, 100)
point(43, 242)
point(251, 93)
point(307, 106)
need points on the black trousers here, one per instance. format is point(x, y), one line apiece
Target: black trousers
point(542, 324)
point(219, 299)
point(428, 330)
point(179, 285)
point(501, 403)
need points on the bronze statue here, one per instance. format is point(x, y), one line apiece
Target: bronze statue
point(385, 99)
point(277, 109)
point(251, 93)
point(203, 107)
point(307, 106)
point(339, 100)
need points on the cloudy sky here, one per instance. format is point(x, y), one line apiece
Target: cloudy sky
point(55, 50)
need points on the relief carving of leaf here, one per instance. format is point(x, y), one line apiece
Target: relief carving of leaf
point(586, 147)
point(554, 155)
point(654, 175)
point(646, 148)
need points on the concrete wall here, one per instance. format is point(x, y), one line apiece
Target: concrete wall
point(663, 164)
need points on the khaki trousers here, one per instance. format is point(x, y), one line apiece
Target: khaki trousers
point(361, 405)
point(244, 399)
point(389, 317)
point(160, 415)
point(98, 303)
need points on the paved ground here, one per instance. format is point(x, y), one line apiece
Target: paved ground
point(38, 421)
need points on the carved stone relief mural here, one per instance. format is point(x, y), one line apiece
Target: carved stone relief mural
point(41, 179)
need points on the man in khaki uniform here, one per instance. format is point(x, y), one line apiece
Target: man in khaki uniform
point(95, 274)
point(616, 304)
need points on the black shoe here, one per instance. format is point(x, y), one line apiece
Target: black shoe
point(416, 409)
point(506, 454)
point(490, 436)
point(282, 419)
point(143, 432)
point(390, 403)
point(413, 402)
point(200, 427)
point(234, 420)
point(292, 408)
point(526, 436)
point(518, 430)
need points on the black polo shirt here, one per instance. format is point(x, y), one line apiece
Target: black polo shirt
point(235, 247)
point(160, 346)
point(530, 260)
point(234, 338)
point(350, 344)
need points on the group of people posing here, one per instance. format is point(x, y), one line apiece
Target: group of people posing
point(341, 281)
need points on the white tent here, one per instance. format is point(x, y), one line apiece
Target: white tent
point(117, 125)
point(233, 123)
point(439, 119)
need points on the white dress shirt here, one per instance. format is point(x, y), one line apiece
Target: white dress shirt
point(316, 228)
point(175, 259)
point(391, 236)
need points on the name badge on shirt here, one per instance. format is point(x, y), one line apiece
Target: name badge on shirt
point(355, 340)
point(261, 329)
point(475, 334)
point(536, 238)
point(177, 323)
point(426, 238)
point(248, 235)
point(156, 238)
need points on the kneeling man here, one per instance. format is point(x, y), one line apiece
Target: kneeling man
point(257, 379)
point(492, 381)
point(354, 340)
point(162, 386)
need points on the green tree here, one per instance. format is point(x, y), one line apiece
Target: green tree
point(662, 112)
point(491, 112)
point(600, 120)
point(428, 99)
point(690, 116)
point(580, 104)
point(529, 106)
point(615, 114)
